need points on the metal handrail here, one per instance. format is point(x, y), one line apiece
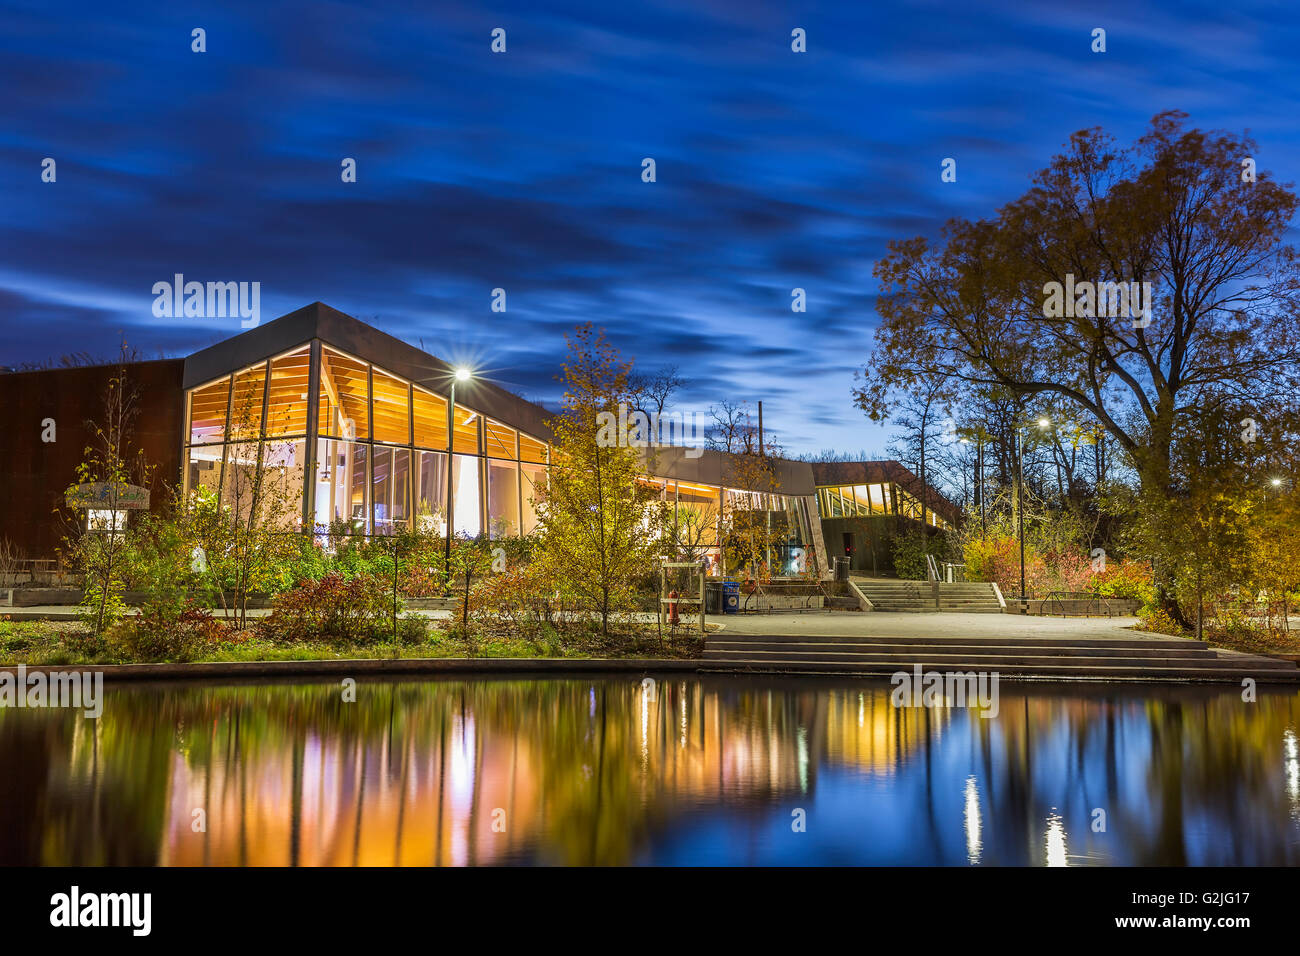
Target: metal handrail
point(812, 589)
point(1094, 600)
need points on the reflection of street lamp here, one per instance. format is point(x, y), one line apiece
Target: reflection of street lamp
point(461, 375)
point(1043, 423)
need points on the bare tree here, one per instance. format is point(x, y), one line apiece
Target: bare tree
point(735, 431)
point(652, 392)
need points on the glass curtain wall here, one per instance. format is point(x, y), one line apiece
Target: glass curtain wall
point(246, 438)
point(851, 501)
point(381, 449)
point(698, 516)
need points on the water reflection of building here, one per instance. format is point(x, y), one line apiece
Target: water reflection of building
point(453, 788)
point(456, 773)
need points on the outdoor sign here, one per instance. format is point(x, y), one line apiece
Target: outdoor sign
point(105, 494)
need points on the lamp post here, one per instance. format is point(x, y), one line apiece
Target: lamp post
point(461, 375)
point(1043, 423)
point(977, 476)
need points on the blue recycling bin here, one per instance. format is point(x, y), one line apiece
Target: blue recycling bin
point(730, 597)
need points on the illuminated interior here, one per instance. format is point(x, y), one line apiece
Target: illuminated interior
point(700, 514)
point(881, 498)
point(380, 449)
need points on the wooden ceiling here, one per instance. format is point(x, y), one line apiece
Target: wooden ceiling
point(286, 411)
point(208, 411)
point(401, 413)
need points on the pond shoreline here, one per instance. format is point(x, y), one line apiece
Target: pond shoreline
point(350, 667)
point(542, 667)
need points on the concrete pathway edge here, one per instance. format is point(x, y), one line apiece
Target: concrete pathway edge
point(531, 666)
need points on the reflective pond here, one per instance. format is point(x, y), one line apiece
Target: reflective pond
point(679, 771)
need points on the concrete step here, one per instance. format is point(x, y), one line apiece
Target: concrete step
point(1090, 670)
point(965, 597)
point(1152, 643)
point(1160, 658)
point(945, 651)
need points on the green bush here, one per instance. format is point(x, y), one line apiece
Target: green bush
point(305, 560)
point(910, 551)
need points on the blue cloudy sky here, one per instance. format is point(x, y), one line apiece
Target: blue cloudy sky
point(522, 170)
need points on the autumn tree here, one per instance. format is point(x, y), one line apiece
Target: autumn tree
point(100, 548)
point(1197, 528)
point(598, 523)
point(1177, 210)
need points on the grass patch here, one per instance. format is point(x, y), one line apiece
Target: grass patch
point(70, 643)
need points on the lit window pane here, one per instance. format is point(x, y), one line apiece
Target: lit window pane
point(391, 492)
point(208, 412)
point(280, 497)
point(340, 484)
point(467, 491)
point(286, 412)
point(343, 396)
point(466, 431)
point(530, 449)
point(431, 492)
point(246, 404)
point(430, 420)
point(205, 467)
point(534, 489)
point(503, 498)
point(500, 440)
point(392, 414)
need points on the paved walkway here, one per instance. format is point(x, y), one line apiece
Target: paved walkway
point(942, 624)
point(823, 623)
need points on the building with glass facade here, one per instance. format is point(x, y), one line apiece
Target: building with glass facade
point(864, 505)
point(355, 424)
point(330, 422)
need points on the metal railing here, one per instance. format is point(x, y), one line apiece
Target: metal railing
point(1094, 605)
point(810, 591)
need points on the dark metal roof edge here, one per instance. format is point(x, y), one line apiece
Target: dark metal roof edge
point(707, 466)
point(351, 335)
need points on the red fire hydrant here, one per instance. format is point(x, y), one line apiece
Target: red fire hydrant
point(673, 619)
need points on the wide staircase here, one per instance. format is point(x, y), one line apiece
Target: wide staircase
point(1025, 657)
point(890, 594)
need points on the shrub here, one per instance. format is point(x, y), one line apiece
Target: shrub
point(413, 629)
point(305, 560)
point(1158, 621)
point(513, 601)
point(334, 609)
point(910, 551)
point(154, 634)
point(1125, 579)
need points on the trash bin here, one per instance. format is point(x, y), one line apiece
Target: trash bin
point(731, 597)
point(841, 568)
